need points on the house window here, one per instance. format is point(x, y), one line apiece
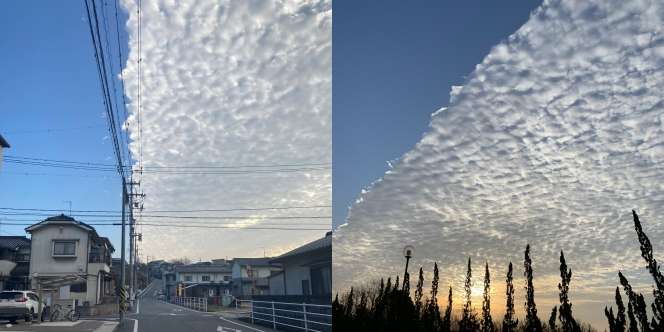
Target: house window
point(227, 278)
point(78, 288)
point(64, 248)
point(187, 278)
point(205, 278)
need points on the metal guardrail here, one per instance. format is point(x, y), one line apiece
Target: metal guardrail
point(300, 316)
point(195, 303)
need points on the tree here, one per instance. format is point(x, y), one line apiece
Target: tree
point(552, 319)
point(637, 303)
point(468, 320)
point(431, 316)
point(568, 324)
point(509, 323)
point(633, 324)
point(418, 293)
point(487, 322)
point(654, 269)
point(533, 323)
point(617, 322)
point(446, 325)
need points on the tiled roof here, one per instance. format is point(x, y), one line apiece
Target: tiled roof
point(320, 244)
point(13, 242)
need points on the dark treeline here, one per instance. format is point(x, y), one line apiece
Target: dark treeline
point(388, 306)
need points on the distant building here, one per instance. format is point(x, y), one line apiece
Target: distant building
point(307, 270)
point(251, 276)
point(14, 263)
point(3, 145)
point(69, 258)
point(204, 279)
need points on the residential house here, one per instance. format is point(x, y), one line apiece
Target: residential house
point(204, 279)
point(3, 145)
point(70, 261)
point(14, 263)
point(307, 271)
point(251, 276)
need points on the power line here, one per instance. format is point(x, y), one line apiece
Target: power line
point(174, 211)
point(49, 130)
point(196, 226)
point(169, 216)
point(195, 222)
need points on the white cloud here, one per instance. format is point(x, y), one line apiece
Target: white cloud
point(232, 83)
point(555, 136)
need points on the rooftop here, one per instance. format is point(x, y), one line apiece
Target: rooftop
point(13, 242)
point(204, 268)
point(324, 243)
point(262, 261)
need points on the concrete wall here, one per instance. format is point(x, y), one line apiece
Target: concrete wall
point(41, 259)
point(295, 273)
point(277, 285)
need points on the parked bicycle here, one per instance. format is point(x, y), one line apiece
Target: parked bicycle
point(60, 313)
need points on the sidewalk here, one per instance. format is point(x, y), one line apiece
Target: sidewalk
point(81, 325)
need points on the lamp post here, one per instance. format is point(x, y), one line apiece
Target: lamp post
point(408, 253)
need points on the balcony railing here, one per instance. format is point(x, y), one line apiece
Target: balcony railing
point(99, 259)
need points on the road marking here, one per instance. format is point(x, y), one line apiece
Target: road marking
point(222, 329)
point(232, 322)
point(138, 306)
point(135, 324)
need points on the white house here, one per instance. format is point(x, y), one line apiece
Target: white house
point(3, 145)
point(204, 279)
point(69, 257)
point(251, 276)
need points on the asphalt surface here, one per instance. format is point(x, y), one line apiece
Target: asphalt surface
point(153, 315)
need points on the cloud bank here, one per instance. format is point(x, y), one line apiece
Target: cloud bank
point(554, 137)
point(229, 83)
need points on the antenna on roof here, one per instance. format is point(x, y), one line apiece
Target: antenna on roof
point(69, 206)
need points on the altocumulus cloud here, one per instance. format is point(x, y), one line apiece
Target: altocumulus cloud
point(551, 141)
point(228, 83)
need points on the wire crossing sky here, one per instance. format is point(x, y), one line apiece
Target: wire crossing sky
point(552, 140)
point(232, 83)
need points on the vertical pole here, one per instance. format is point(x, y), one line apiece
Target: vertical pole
point(274, 318)
point(304, 311)
point(131, 242)
point(41, 299)
point(122, 250)
point(405, 272)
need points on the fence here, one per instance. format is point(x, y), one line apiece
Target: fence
point(288, 316)
point(195, 303)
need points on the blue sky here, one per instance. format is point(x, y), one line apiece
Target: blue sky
point(393, 65)
point(50, 82)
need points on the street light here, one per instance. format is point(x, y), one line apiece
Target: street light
point(408, 253)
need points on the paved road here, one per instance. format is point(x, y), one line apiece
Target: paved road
point(157, 316)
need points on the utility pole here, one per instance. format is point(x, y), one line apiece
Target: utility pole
point(122, 250)
point(132, 239)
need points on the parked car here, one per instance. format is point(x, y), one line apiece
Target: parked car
point(15, 305)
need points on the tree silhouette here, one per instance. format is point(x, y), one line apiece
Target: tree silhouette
point(447, 319)
point(633, 324)
point(487, 322)
point(617, 322)
point(468, 320)
point(568, 324)
point(552, 319)
point(637, 304)
point(509, 323)
point(431, 317)
point(653, 267)
point(418, 293)
point(533, 323)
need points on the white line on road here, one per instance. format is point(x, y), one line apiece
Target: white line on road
point(138, 306)
point(135, 324)
point(232, 322)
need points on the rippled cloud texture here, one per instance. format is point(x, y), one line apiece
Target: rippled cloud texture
point(229, 83)
point(552, 140)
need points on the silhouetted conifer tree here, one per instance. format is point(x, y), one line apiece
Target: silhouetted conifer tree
point(431, 317)
point(633, 324)
point(552, 319)
point(567, 322)
point(349, 304)
point(468, 322)
point(657, 306)
point(533, 323)
point(638, 304)
point(446, 325)
point(617, 322)
point(487, 322)
point(509, 322)
point(418, 293)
